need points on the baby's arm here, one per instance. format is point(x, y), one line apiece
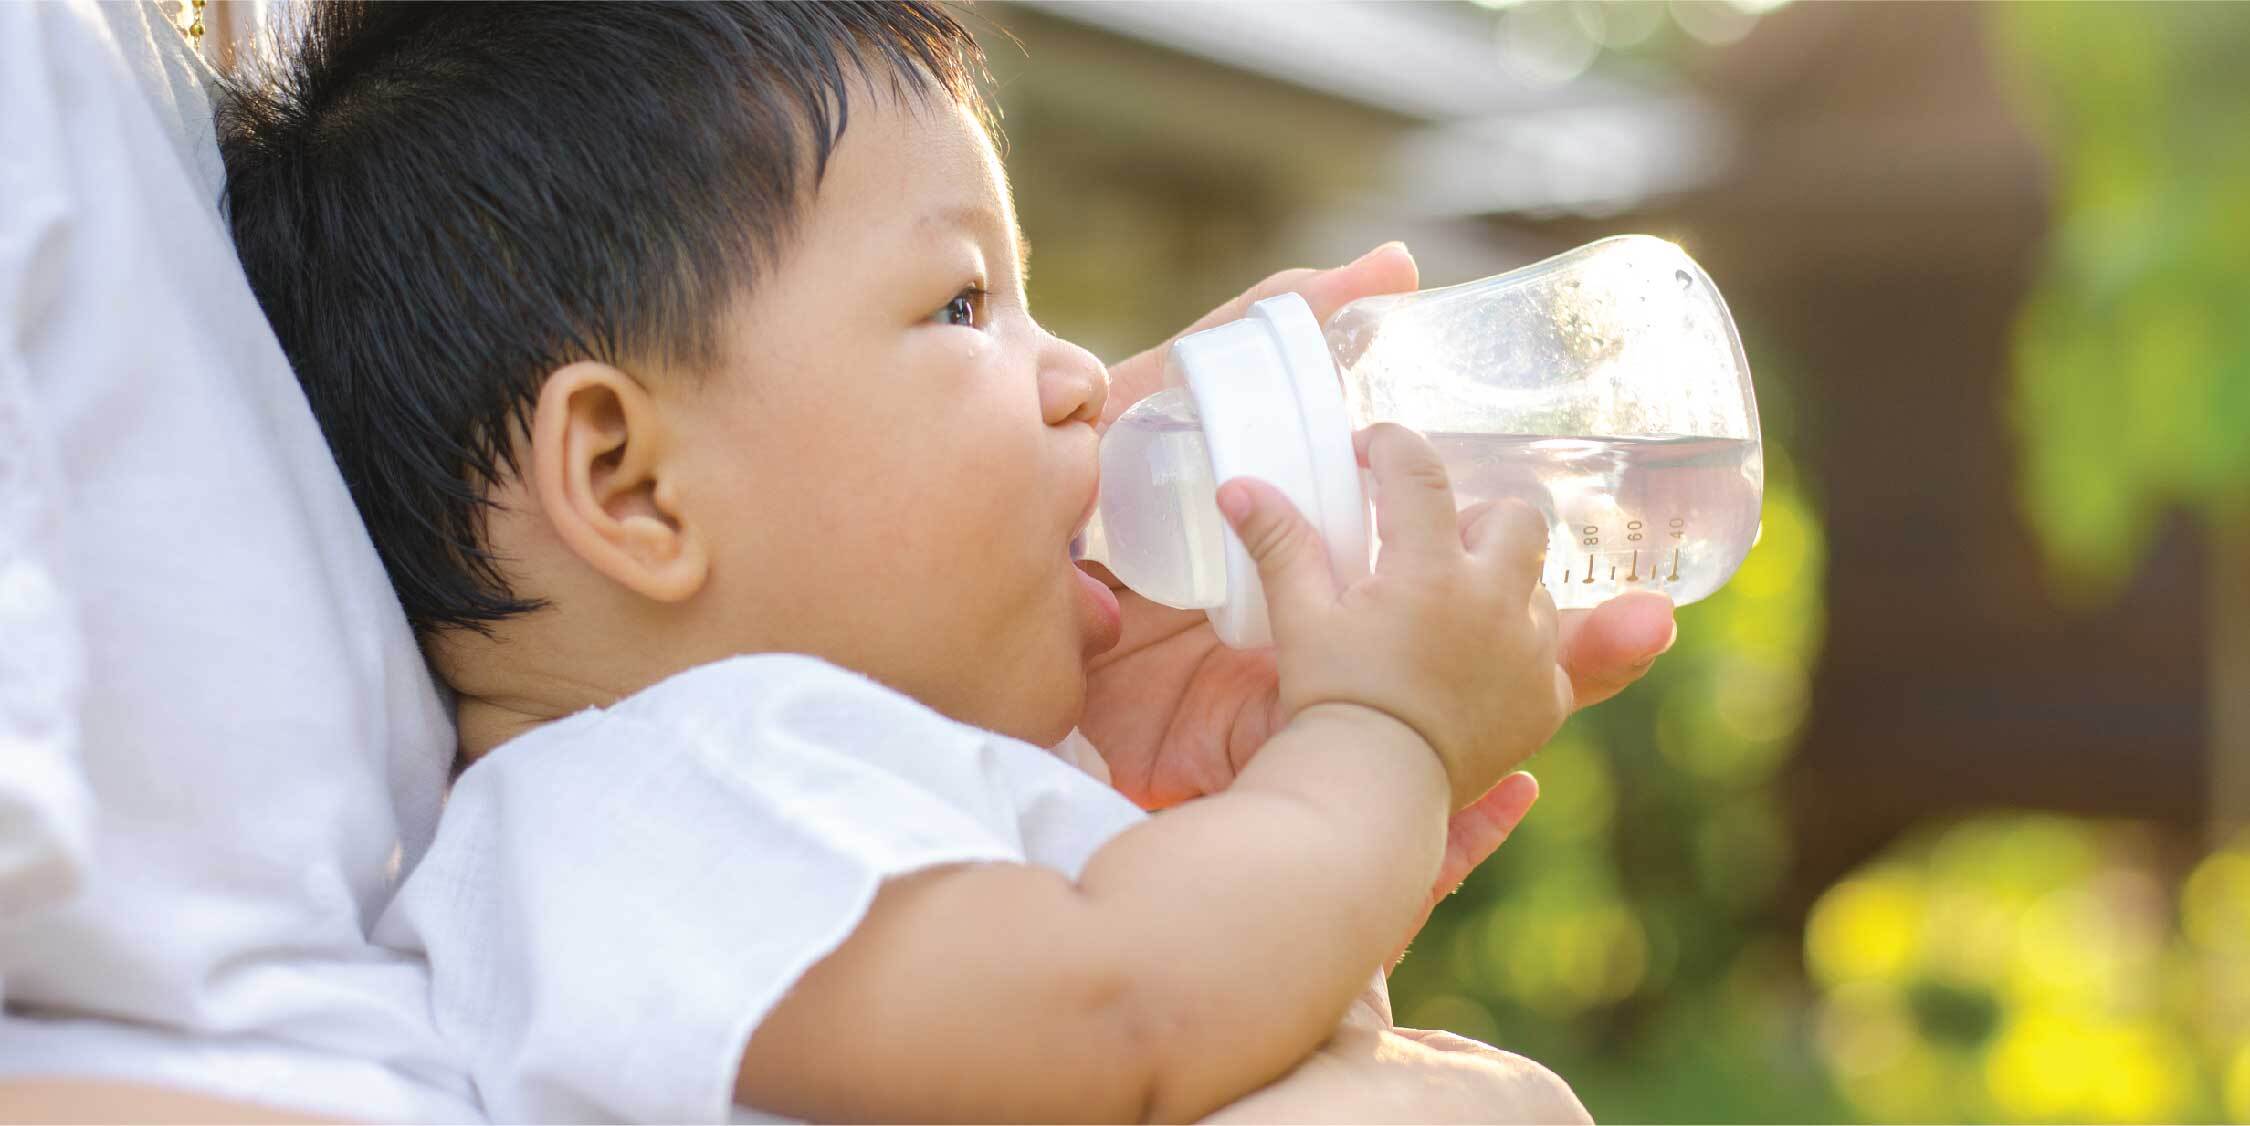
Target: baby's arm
point(1202, 954)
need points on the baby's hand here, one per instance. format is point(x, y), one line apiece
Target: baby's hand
point(1453, 635)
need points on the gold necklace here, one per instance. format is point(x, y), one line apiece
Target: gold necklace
point(195, 26)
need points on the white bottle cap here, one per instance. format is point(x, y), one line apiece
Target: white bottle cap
point(1273, 408)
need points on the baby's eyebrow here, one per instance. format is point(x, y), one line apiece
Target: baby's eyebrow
point(981, 218)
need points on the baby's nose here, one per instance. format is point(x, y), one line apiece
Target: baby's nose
point(1073, 385)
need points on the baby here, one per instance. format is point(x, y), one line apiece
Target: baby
point(678, 360)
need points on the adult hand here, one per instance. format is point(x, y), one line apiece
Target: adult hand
point(1176, 714)
point(1372, 1072)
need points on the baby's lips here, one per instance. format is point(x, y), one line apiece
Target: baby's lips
point(1086, 519)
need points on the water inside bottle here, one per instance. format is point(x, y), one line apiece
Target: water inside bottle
point(1668, 513)
point(1157, 525)
point(1674, 514)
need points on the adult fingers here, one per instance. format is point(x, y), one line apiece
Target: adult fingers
point(1609, 647)
point(1292, 561)
point(1388, 268)
point(1472, 835)
point(1478, 830)
point(1414, 511)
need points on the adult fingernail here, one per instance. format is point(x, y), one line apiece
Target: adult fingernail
point(1378, 250)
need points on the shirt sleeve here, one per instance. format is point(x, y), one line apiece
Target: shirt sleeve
point(615, 901)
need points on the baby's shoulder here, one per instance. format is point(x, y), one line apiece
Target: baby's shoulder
point(614, 899)
point(806, 750)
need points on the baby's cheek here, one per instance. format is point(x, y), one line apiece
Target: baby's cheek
point(1009, 512)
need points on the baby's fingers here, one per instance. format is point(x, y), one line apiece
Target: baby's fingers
point(1547, 620)
point(1292, 561)
point(1511, 537)
point(1414, 511)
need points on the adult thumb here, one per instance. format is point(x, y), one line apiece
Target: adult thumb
point(1292, 561)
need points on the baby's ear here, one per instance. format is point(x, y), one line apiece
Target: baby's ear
point(600, 470)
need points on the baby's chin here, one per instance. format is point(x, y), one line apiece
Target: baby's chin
point(1049, 717)
point(1047, 733)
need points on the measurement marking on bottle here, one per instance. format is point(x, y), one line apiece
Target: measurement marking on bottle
point(1633, 574)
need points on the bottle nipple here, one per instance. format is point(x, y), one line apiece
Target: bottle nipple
point(1156, 525)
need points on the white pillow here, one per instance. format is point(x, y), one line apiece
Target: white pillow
point(223, 732)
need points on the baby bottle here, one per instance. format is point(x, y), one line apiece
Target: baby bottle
point(1605, 386)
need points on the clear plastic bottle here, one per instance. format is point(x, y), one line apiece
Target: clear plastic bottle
point(1605, 386)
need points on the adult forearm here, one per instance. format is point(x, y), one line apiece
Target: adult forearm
point(114, 1100)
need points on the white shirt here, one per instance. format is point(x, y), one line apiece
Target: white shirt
point(218, 743)
point(615, 900)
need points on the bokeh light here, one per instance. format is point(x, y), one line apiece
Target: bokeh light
point(2019, 968)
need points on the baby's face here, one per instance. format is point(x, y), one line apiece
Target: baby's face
point(899, 455)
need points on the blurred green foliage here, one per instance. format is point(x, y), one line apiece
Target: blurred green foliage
point(2036, 968)
point(2132, 353)
point(2026, 967)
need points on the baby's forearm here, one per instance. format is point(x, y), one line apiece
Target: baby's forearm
point(1252, 918)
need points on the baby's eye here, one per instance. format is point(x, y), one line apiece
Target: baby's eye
point(966, 309)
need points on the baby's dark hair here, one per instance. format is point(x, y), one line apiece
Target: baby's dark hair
point(438, 204)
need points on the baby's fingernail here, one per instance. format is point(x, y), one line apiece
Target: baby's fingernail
point(1234, 502)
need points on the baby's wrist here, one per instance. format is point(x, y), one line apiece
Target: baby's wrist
point(1366, 716)
point(1372, 725)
